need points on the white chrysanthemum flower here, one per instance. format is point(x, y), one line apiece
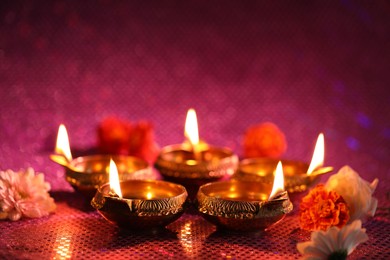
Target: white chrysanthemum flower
point(24, 194)
point(334, 243)
point(356, 192)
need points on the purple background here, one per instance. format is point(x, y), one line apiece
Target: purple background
point(307, 66)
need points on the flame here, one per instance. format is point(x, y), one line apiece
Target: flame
point(62, 144)
point(149, 195)
point(318, 155)
point(191, 128)
point(114, 179)
point(278, 186)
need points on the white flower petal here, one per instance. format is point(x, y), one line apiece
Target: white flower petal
point(353, 235)
point(327, 245)
point(323, 244)
point(356, 192)
point(309, 249)
point(302, 246)
point(373, 185)
point(3, 215)
point(24, 193)
point(14, 215)
point(372, 207)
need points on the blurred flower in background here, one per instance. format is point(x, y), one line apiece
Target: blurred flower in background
point(264, 140)
point(116, 136)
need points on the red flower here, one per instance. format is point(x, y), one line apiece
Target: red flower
point(264, 140)
point(114, 136)
point(142, 142)
point(321, 209)
point(117, 136)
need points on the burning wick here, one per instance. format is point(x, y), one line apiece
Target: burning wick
point(62, 144)
point(278, 186)
point(114, 179)
point(317, 160)
point(191, 132)
point(149, 195)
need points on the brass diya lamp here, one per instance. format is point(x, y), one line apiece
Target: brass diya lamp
point(193, 162)
point(244, 206)
point(87, 173)
point(298, 175)
point(139, 204)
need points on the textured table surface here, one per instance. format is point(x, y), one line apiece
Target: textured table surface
point(307, 66)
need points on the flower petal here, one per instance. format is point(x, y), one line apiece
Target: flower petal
point(312, 250)
point(334, 240)
point(24, 193)
point(356, 192)
point(353, 234)
point(14, 215)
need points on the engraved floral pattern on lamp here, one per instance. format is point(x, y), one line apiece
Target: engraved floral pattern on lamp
point(226, 208)
point(161, 207)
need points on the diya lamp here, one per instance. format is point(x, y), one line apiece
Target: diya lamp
point(298, 175)
point(244, 206)
point(87, 173)
point(194, 162)
point(139, 204)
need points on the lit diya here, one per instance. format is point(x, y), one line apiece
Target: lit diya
point(87, 173)
point(193, 162)
point(244, 206)
point(298, 175)
point(139, 204)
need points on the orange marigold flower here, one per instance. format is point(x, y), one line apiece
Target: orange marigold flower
point(264, 140)
point(321, 209)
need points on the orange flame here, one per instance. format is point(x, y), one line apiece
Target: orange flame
point(149, 195)
point(191, 131)
point(114, 179)
point(278, 186)
point(318, 155)
point(62, 144)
